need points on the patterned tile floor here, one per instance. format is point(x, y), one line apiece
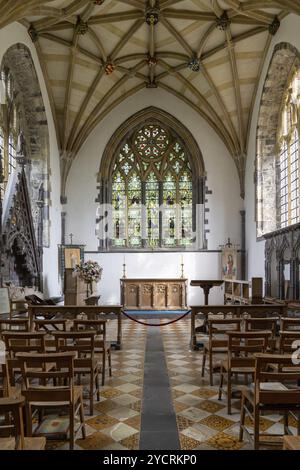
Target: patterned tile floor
point(115, 424)
point(202, 420)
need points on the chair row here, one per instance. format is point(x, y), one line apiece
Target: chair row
point(48, 383)
point(218, 329)
point(83, 343)
point(51, 326)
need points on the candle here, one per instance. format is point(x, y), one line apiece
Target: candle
point(181, 259)
point(124, 260)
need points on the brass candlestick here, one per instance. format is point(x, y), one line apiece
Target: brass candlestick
point(124, 270)
point(182, 270)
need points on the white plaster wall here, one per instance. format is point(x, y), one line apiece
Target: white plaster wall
point(10, 35)
point(288, 32)
point(224, 203)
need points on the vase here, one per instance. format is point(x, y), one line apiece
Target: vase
point(89, 288)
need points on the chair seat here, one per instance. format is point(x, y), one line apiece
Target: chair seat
point(78, 391)
point(239, 369)
point(267, 386)
point(30, 443)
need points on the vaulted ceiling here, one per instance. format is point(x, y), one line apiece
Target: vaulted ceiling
point(96, 53)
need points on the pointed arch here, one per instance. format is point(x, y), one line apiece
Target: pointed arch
point(152, 166)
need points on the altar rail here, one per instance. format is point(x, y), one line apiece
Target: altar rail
point(238, 311)
point(72, 312)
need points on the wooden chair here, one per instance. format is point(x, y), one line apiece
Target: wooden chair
point(21, 342)
point(57, 372)
point(17, 324)
point(240, 359)
point(269, 392)
point(217, 341)
point(102, 346)
point(264, 324)
point(85, 362)
point(289, 324)
point(288, 340)
point(49, 327)
point(13, 428)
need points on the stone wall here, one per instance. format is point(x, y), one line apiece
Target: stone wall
point(18, 61)
point(285, 59)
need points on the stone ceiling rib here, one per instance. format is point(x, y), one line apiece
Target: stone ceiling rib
point(195, 50)
point(237, 89)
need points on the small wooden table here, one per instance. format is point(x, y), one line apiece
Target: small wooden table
point(206, 285)
point(71, 312)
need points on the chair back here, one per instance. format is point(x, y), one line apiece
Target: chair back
point(276, 381)
point(49, 326)
point(289, 341)
point(218, 329)
point(261, 324)
point(24, 342)
point(17, 324)
point(243, 345)
point(287, 324)
point(99, 326)
point(80, 342)
point(48, 377)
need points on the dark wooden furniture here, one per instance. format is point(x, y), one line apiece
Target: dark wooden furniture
point(206, 285)
point(154, 294)
point(240, 359)
point(57, 371)
point(270, 393)
point(217, 341)
point(102, 346)
point(244, 292)
point(15, 342)
point(85, 362)
point(203, 312)
point(72, 312)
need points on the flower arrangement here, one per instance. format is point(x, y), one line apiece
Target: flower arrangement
point(89, 271)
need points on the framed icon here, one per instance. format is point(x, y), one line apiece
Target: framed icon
point(69, 256)
point(229, 263)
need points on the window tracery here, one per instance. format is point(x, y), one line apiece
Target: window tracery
point(151, 171)
point(288, 146)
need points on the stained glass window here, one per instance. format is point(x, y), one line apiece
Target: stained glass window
point(9, 124)
point(289, 156)
point(152, 191)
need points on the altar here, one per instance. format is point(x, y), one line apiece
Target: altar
point(154, 294)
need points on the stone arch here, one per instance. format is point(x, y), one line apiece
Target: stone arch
point(155, 115)
point(284, 61)
point(117, 140)
point(18, 61)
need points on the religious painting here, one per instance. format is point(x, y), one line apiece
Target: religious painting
point(72, 257)
point(69, 256)
point(229, 263)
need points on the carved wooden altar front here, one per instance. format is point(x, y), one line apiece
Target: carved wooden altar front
point(154, 294)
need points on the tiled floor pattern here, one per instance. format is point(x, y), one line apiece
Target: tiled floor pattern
point(202, 420)
point(115, 424)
